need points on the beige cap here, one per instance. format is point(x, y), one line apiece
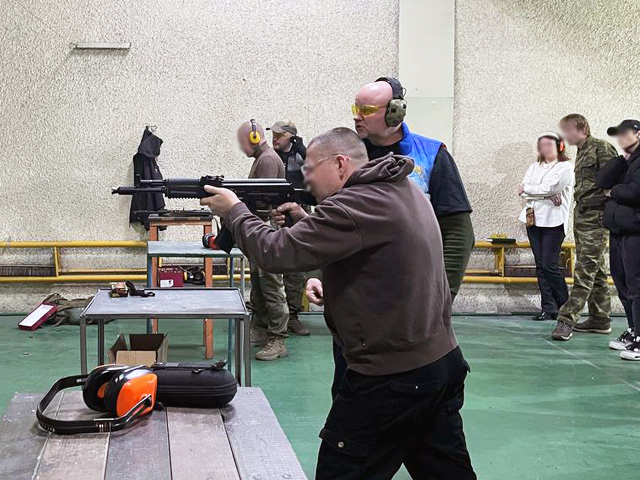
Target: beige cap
point(284, 126)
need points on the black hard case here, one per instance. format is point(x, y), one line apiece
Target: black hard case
point(194, 385)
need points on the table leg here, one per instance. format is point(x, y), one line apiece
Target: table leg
point(83, 345)
point(231, 324)
point(247, 350)
point(149, 285)
point(154, 236)
point(208, 323)
point(242, 279)
point(238, 351)
point(100, 341)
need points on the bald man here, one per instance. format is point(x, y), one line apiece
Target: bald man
point(387, 303)
point(383, 131)
point(268, 300)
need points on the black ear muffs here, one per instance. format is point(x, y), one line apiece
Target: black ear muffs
point(95, 386)
point(397, 106)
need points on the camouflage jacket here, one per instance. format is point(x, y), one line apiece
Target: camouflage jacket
point(592, 156)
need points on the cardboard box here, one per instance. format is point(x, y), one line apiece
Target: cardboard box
point(143, 349)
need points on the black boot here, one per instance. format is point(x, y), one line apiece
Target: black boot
point(545, 316)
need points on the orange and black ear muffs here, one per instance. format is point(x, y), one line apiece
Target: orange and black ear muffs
point(129, 394)
point(96, 384)
point(254, 135)
point(557, 138)
point(128, 388)
point(397, 106)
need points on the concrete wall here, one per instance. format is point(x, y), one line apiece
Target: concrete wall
point(521, 66)
point(71, 121)
point(427, 65)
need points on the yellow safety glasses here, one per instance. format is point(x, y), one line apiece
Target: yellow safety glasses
point(364, 110)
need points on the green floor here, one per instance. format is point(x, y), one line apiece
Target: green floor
point(535, 409)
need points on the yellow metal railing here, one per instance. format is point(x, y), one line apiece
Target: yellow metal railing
point(61, 275)
point(86, 275)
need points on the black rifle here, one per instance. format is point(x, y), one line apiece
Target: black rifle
point(261, 195)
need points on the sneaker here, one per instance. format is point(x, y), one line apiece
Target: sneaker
point(545, 316)
point(594, 325)
point(623, 341)
point(274, 349)
point(632, 352)
point(259, 336)
point(295, 326)
point(563, 331)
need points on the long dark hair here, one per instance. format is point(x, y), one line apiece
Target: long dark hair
point(562, 151)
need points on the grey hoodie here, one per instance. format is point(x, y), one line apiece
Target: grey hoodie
point(378, 243)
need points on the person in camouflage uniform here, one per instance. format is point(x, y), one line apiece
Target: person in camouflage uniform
point(590, 277)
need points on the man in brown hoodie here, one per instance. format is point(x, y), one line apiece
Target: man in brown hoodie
point(387, 303)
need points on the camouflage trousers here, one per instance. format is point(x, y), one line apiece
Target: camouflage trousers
point(268, 302)
point(590, 277)
point(294, 284)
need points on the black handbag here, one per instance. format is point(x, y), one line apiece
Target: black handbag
point(194, 385)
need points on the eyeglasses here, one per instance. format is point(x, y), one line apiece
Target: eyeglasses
point(307, 169)
point(279, 135)
point(364, 110)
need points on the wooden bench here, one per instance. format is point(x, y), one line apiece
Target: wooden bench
point(240, 442)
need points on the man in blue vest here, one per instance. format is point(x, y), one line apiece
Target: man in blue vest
point(378, 114)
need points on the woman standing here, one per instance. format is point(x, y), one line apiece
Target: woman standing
point(548, 189)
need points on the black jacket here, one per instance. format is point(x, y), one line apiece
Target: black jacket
point(293, 160)
point(146, 166)
point(622, 210)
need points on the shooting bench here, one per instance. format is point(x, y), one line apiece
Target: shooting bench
point(242, 441)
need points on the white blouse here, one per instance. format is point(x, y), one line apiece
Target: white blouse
point(543, 181)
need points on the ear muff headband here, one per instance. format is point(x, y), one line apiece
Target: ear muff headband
point(557, 138)
point(133, 384)
point(397, 106)
point(254, 136)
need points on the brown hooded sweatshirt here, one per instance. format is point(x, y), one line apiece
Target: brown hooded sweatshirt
point(378, 244)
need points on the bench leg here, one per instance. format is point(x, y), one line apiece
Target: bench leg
point(83, 346)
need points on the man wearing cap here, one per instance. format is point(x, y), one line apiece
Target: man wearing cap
point(268, 301)
point(292, 151)
point(590, 280)
point(620, 179)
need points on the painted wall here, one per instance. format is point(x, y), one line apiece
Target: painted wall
point(71, 121)
point(520, 67)
point(426, 55)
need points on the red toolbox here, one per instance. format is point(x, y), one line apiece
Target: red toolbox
point(170, 277)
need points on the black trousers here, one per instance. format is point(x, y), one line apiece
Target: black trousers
point(624, 261)
point(546, 243)
point(377, 424)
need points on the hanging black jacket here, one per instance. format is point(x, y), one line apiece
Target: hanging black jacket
point(622, 210)
point(146, 166)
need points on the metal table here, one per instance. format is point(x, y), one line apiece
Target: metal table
point(173, 303)
point(162, 249)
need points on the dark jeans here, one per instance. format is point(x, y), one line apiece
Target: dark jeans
point(546, 243)
point(377, 424)
point(625, 269)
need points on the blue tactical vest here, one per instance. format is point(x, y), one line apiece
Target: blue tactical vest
point(423, 150)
